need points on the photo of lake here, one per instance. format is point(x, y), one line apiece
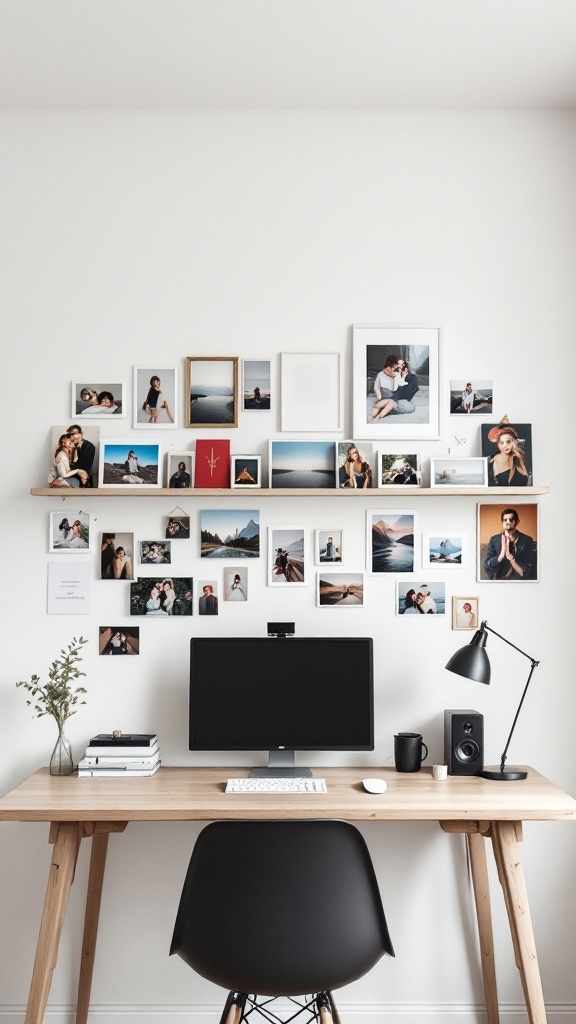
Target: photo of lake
point(302, 464)
point(390, 541)
point(212, 391)
point(458, 473)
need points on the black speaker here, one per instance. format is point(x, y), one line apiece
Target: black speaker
point(464, 742)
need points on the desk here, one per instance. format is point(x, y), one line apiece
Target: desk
point(92, 808)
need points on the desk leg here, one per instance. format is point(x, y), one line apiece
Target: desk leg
point(505, 841)
point(60, 878)
point(477, 853)
point(93, 900)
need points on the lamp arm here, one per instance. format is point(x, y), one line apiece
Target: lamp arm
point(484, 625)
point(505, 751)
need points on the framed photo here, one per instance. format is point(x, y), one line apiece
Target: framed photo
point(355, 464)
point(396, 374)
point(470, 397)
point(212, 391)
point(155, 552)
point(179, 470)
point(443, 551)
point(230, 533)
point(256, 384)
point(508, 448)
point(236, 583)
point(124, 464)
point(207, 597)
point(98, 399)
point(119, 639)
point(161, 596)
point(465, 612)
point(69, 533)
point(390, 535)
point(401, 468)
point(340, 589)
point(85, 438)
point(155, 397)
point(508, 543)
point(311, 391)
point(117, 556)
point(457, 472)
point(245, 471)
point(421, 598)
point(177, 527)
point(328, 546)
point(302, 464)
point(287, 556)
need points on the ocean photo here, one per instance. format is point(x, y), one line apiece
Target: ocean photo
point(212, 389)
point(444, 550)
point(302, 464)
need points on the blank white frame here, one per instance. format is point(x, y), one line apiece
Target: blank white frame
point(311, 391)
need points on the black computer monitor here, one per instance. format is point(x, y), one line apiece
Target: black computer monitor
point(281, 695)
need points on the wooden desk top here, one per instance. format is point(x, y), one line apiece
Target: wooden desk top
point(188, 794)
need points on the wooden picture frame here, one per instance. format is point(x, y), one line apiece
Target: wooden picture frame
point(212, 391)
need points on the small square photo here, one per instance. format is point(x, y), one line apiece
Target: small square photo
point(177, 527)
point(69, 533)
point(448, 552)
point(156, 552)
point(470, 397)
point(119, 640)
point(340, 589)
point(465, 613)
point(245, 471)
point(328, 546)
point(403, 468)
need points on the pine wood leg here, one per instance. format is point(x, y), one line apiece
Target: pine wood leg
point(477, 853)
point(505, 839)
point(93, 900)
point(60, 878)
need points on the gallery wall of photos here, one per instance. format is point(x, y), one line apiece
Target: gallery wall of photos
point(396, 398)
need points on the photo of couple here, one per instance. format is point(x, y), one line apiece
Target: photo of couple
point(422, 599)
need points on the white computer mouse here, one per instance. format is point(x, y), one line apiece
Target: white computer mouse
point(374, 785)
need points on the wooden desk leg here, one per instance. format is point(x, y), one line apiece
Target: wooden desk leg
point(93, 900)
point(477, 853)
point(99, 850)
point(505, 840)
point(60, 878)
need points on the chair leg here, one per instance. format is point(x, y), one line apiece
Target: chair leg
point(335, 1014)
point(233, 1008)
point(324, 1005)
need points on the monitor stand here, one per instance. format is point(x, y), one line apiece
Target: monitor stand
point(281, 764)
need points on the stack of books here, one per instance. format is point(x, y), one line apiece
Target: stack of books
point(127, 755)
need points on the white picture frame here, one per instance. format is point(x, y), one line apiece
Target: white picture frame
point(418, 346)
point(292, 540)
point(311, 392)
point(458, 472)
point(245, 472)
point(114, 457)
point(155, 407)
point(69, 534)
point(323, 553)
point(444, 550)
point(177, 478)
point(398, 469)
point(85, 405)
point(436, 596)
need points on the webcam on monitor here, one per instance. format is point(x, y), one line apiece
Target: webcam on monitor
point(281, 629)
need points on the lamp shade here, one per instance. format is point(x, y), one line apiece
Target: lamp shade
point(472, 661)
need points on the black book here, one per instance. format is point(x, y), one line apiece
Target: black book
point(125, 739)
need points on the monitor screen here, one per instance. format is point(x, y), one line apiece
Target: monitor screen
point(262, 693)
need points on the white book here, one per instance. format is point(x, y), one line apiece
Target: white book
point(123, 752)
point(117, 773)
point(119, 762)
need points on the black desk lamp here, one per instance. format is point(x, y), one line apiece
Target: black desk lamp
point(473, 662)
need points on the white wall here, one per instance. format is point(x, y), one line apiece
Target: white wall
point(132, 237)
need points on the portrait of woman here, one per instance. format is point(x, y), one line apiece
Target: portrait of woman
point(235, 585)
point(63, 472)
point(354, 465)
point(509, 451)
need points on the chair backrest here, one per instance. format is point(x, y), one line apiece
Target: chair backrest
point(281, 907)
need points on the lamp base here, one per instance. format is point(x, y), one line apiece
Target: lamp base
point(511, 774)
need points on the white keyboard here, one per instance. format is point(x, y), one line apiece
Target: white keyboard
point(276, 785)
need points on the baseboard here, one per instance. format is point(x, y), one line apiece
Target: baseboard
point(369, 1013)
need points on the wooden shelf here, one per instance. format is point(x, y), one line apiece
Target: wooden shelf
point(253, 494)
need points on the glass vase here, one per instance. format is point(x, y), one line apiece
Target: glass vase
point(61, 762)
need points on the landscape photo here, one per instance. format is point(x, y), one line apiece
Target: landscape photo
point(448, 552)
point(390, 541)
point(302, 464)
point(212, 385)
point(230, 533)
point(340, 589)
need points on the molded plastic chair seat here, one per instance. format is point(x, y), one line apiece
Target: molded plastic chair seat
point(281, 907)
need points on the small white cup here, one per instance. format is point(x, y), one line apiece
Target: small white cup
point(440, 772)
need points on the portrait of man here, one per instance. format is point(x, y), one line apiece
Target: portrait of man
point(507, 552)
point(208, 601)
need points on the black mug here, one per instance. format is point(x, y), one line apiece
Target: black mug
point(409, 751)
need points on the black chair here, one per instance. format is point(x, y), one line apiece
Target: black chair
point(280, 908)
